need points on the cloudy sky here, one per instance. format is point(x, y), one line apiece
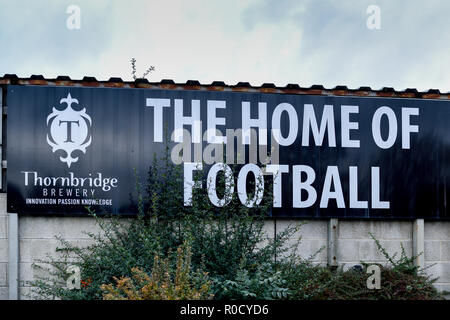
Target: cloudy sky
point(284, 41)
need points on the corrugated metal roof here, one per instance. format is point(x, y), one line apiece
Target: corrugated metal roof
point(221, 86)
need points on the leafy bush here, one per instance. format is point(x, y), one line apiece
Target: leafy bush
point(327, 284)
point(163, 283)
point(224, 241)
point(400, 280)
point(265, 283)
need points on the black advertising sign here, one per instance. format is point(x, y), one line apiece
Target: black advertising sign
point(328, 156)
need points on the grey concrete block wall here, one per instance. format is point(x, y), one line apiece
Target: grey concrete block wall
point(37, 239)
point(3, 248)
point(355, 243)
point(313, 234)
point(437, 252)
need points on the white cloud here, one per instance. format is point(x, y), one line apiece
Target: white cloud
point(306, 42)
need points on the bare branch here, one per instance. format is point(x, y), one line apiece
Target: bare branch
point(133, 69)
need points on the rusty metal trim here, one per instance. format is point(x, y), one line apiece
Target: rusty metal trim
point(168, 84)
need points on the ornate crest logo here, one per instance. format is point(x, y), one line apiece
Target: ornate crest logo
point(69, 130)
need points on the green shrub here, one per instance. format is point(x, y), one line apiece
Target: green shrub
point(266, 283)
point(225, 242)
point(400, 280)
point(328, 284)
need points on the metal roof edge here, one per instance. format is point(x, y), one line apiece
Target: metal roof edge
point(117, 82)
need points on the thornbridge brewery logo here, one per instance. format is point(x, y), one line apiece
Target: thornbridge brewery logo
point(69, 130)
